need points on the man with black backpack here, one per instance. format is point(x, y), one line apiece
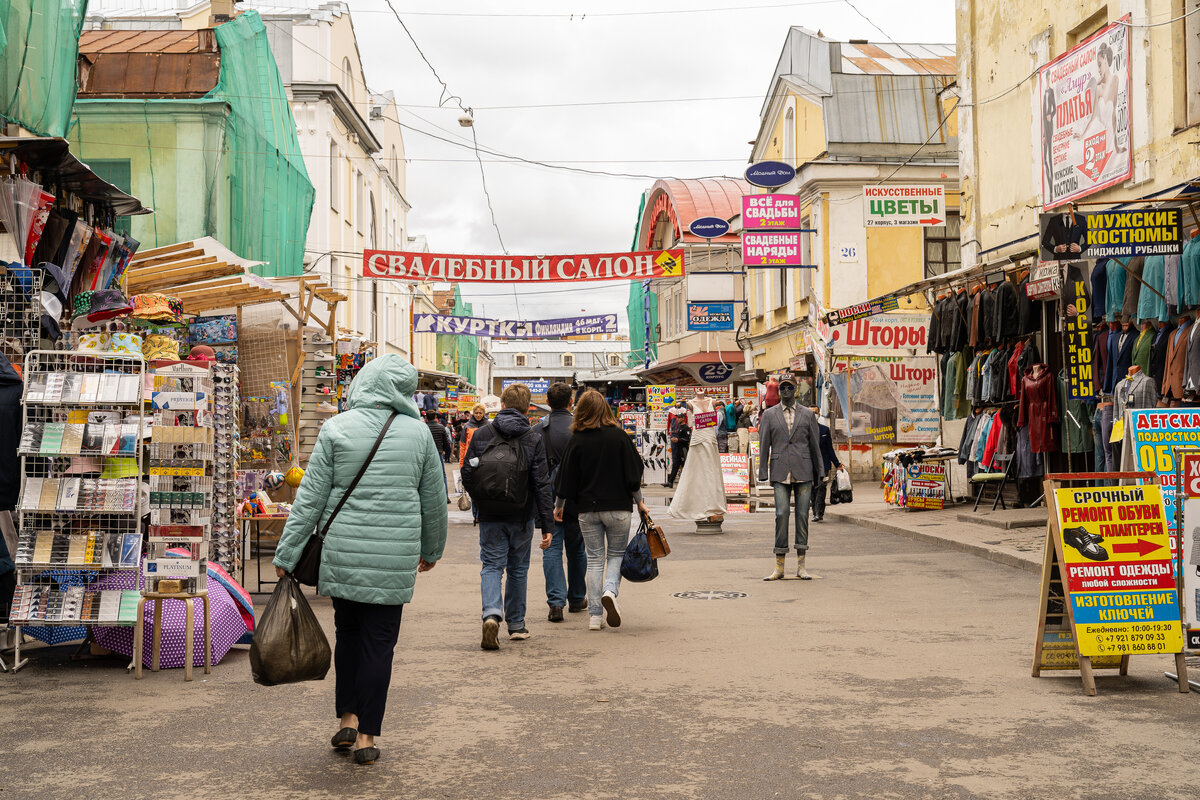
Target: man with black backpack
point(570, 591)
point(506, 473)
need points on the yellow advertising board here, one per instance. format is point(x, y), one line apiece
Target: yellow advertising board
point(467, 401)
point(660, 398)
point(1118, 571)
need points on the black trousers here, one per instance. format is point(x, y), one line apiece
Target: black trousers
point(819, 491)
point(362, 657)
point(678, 456)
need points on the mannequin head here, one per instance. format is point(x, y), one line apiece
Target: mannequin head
point(787, 392)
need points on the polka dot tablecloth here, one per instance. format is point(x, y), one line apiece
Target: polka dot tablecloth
point(227, 627)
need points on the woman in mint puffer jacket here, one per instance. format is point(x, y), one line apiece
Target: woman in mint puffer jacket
point(392, 527)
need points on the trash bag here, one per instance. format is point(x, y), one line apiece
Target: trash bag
point(289, 645)
point(637, 566)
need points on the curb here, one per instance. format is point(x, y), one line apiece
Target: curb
point(982, 551)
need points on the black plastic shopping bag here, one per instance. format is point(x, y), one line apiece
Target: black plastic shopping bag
point(289, 645)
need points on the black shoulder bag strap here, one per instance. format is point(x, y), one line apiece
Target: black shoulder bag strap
point(361, 471)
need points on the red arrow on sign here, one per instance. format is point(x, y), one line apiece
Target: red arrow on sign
point(931, 221)
point(1141, 547)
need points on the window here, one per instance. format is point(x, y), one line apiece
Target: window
point(1191, 64)
point(359, 210)
point(760, 292)
point(346, 79)
point(789, 135)
point(394, 166)
point(116, 171)
point(372, 232)
point(614, 360)
point(568, 359)
point(520, 360)
point(335, 180)
point(781, 287)
point(942, 252)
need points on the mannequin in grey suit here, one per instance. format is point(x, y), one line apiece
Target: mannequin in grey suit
point(789, 443)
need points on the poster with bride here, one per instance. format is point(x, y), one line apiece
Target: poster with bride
point(1084, 99)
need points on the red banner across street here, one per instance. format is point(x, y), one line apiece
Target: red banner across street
point(407, 266)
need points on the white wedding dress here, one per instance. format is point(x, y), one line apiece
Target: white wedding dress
point(701, 492)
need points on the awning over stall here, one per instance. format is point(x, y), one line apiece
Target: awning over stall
point(204, 274)
point(59, 169)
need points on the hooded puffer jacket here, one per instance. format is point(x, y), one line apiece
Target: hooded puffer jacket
point(397, 514)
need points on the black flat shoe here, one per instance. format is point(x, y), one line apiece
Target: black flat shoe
point(366, 755)
point(344, 738)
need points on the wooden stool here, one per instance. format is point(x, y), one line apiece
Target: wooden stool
point(188, 631)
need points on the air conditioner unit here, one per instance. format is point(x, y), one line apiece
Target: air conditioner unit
point(376, 112)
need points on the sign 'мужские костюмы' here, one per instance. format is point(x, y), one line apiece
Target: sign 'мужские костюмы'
point(441, 267)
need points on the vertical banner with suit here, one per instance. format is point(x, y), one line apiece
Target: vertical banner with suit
point(1081, 382)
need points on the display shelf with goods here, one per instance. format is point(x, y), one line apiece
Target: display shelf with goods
point(348, 365)
point(79, 514)
point(182, 458)
point(20, 311)
point(318, 387)
point(226, 534)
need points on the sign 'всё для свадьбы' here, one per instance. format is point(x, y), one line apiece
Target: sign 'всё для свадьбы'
point(406, 266)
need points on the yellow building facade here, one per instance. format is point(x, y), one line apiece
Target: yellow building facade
point(847, 115)
point(1001, 47)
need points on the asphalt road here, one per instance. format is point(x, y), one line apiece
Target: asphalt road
point(902, 673)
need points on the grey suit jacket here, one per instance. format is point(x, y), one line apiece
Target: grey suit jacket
point(781, 451)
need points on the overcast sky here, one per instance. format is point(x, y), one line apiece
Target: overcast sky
point(526, 53)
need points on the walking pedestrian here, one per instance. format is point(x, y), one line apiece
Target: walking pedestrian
point(441, 437)
point(477, 420)
point(569, 591)
point(744, 423)
point(601, 476)
point(830, 460)
point(506, 474)
point(390, 528)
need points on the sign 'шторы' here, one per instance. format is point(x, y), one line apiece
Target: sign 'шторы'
point(444, 267)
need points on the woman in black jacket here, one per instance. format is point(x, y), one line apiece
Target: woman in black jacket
point(601, 475)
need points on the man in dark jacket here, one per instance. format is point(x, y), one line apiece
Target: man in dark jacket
point(441, 437)
point(505, 540)
point(829, 456)
point(10, 471)
point(681, 440)
point(571, 590)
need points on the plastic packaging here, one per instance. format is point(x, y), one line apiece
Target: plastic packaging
point(289, 645)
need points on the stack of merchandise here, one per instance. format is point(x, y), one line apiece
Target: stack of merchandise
point(218, 332)
point(225, 532)
point(348, 365)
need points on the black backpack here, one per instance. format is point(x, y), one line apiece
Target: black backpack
point(502, 478)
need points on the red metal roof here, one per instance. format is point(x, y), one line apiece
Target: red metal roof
point(688, 200)
point(148, 64)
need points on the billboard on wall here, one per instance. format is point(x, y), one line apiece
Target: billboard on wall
point(1084, 100)
point(891, 394)
point(455, 268)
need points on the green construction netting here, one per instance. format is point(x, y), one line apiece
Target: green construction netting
point(39, 45)
point(227, 165)
point(463, 350)
point(636, 308)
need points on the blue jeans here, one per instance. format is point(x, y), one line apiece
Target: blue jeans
point(505, 546)
point(605, 535)
point(784, 493)
point(572, 588)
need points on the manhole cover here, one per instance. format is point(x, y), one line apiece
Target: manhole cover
point(709, 594)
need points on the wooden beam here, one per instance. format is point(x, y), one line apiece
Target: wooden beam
point(152, 269)
point(207, 286)
point(147, 262)
point(180, 280)
point(154, 252)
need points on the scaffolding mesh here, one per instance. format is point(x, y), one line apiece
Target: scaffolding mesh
point(39, 44)
point(227, 165)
